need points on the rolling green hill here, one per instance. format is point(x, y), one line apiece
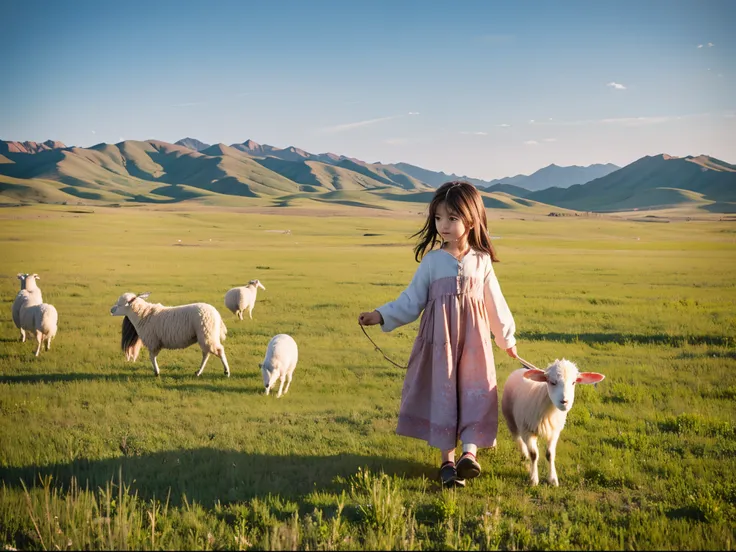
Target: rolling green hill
point(153, 171)
point(659, 181)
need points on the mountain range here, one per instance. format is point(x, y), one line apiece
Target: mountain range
point(190, 170)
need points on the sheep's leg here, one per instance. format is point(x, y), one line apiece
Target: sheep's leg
point(153, 356)
point(223, 358)
point(551, 453)
point(205, 356)
point(281, 387)
point(250, 311)
point(531, 444)
point(48, 343)
point(522, 447)
point(240, 314)
point(39, 339)
point(288, 382)
point(22, 335)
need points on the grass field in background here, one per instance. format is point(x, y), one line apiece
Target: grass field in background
point(95, 452)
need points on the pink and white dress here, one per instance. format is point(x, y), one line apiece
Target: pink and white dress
point(450, 390)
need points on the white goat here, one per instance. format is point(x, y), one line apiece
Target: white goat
point(30, 294)
point(161, 327)
point(238, 299)
point(536, 402)
point(281, 358)
point(41, 319)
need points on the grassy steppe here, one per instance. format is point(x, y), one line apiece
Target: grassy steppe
point(95, 452)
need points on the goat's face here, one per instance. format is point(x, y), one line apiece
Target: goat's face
point(561, 377)
point(122, 307)
point(256, 284)
point(270, 377)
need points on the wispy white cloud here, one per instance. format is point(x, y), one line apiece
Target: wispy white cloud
point(531, 121)
point(531, 143)
point(710, 45)
point(367, 122)
point(616, 86)
point(93, 132)
point(504, 125)
point(626, 121)
point(700, 46)
point(474, 133)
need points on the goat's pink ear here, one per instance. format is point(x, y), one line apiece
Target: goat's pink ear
point(536, 375)
point(590, 377)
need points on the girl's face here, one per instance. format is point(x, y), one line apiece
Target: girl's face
point(449, 225)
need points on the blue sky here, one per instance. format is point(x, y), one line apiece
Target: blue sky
point(483, 89)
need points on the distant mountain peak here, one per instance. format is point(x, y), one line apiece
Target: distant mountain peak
point(251, 144)
point(192, 143)
point(29, 147)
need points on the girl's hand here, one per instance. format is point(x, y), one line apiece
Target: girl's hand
point(369, 318)
point(512, 352)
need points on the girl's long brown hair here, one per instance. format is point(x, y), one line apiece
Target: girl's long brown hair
point(464, 200)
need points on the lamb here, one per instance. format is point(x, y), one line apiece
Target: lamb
point(42, 319)
point(30, 294)
point(281, 358)
point(536, 402)
point(238, 299)
point(161, 327)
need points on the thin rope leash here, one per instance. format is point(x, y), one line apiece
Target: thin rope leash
point(526, 364)
point(379, 349)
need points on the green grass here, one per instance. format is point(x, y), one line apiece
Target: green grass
point(95, 452)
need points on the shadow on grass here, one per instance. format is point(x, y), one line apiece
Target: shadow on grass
point(209, 475)
point(623, 339)
point(175, 381)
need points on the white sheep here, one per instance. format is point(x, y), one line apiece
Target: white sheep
point(536, 402)
point(161, 327)
point(41, 319)
point(30, 294)
point(238, 299)
point(281, 358)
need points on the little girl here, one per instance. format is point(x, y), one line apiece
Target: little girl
point(450, 388)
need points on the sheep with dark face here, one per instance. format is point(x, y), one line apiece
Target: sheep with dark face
point(240, 299)
point(536, 402)
point(179, 327)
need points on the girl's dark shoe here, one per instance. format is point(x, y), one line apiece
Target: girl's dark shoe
point(448, 476)
point(468, 467)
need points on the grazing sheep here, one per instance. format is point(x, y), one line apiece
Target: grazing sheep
point(238, 299)
point(161, 327)
point(130, 342)
point(30, 294)
point(281, 358)
point(536, 402)
point(42, 319)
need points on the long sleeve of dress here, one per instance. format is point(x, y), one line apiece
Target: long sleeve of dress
point(499, 316)
point(410, 304)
